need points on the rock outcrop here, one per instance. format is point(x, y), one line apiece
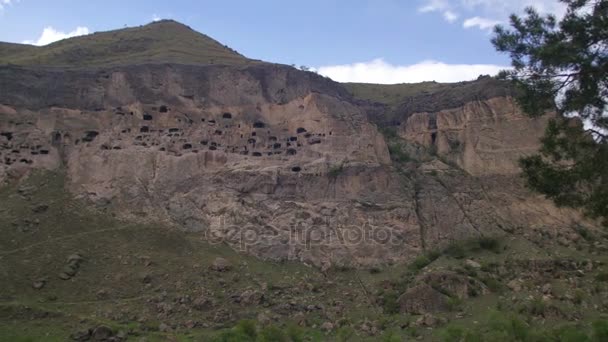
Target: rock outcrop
point(276, 162)
point(483, 137)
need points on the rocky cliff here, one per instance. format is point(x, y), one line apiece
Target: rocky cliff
point(277, 162)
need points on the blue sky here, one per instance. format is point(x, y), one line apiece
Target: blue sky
point(386, 41)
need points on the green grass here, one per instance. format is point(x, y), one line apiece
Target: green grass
point(391, 94)
point(160, 42)
point(119, 254)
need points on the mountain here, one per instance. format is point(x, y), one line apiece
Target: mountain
point(164, 41)
point(150, 193)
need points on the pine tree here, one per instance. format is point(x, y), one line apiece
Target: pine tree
point(562, 67)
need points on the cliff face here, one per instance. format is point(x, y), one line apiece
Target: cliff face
point(276, 162)
point(484, 137)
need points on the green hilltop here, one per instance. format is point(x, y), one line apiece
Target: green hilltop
point(165, 41)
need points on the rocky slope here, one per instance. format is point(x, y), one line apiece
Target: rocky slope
point(280, 163)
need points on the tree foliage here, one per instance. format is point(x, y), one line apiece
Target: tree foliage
point(561, 66)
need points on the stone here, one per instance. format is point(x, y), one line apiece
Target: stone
point(327, 326)
point(300, 319)
point(64, 276)
point(75, 259)
point(514, 285)
point(163, 327)
point(102, 333)
point(146, 278)
point(101, 294)
point(472, 264)
point(40, 208)
point(70, 270)
point(251, 297)
point(190, 324)
point(202, 303)
point(454, 284)
point(221, 265)
point(264, 318)
point(81, 335)
point(422, 299)
point(39, 284)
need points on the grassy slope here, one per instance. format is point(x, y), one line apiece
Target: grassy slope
point(392, 94)
point(109, 287)
point(160, 42)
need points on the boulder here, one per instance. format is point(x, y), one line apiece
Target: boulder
point(102, 333)
point(472, 264)
point(221, 265)
point(422, 299)
point(455, 284)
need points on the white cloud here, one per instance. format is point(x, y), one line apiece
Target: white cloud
point(379, 71)
point(434, 5)
point(50, 35)
point(481, 13)
point(450, 16)
point(481, 23)
point(4, 3)
point(156, 18)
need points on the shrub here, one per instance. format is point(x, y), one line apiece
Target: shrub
point(600, 331)
point(456, 251)
point(390, 336)
point(345, 334)
point(272, 334)
point(493, 284)
point(390, 305)
point(335, 170)
point(602, 276)
point(375, 270)
point(295, 333)
point(390, 132)
point(247, 328)
point(420, 263)
point(398, 153)
point(433, 255)
point(489, 244)
point(454, 303)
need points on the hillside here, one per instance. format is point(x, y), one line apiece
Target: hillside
point(155, 185)
point(164, 41)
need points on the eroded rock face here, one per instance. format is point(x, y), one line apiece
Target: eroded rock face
point(276, 162)
point(483, 137)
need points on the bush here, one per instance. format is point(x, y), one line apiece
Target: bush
point(247, 328)
point(272, 334)
point(398, 153)
point(454, 304)
point(602, 276)
point(390, 133)
point(493, 284)
point(295, 333)
point(345, 334)
point(456, 251)
point(390, 336)
point(420, 263)
point(600, 331)
point(390, 305)
point(335, 170)
point(489, 244)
